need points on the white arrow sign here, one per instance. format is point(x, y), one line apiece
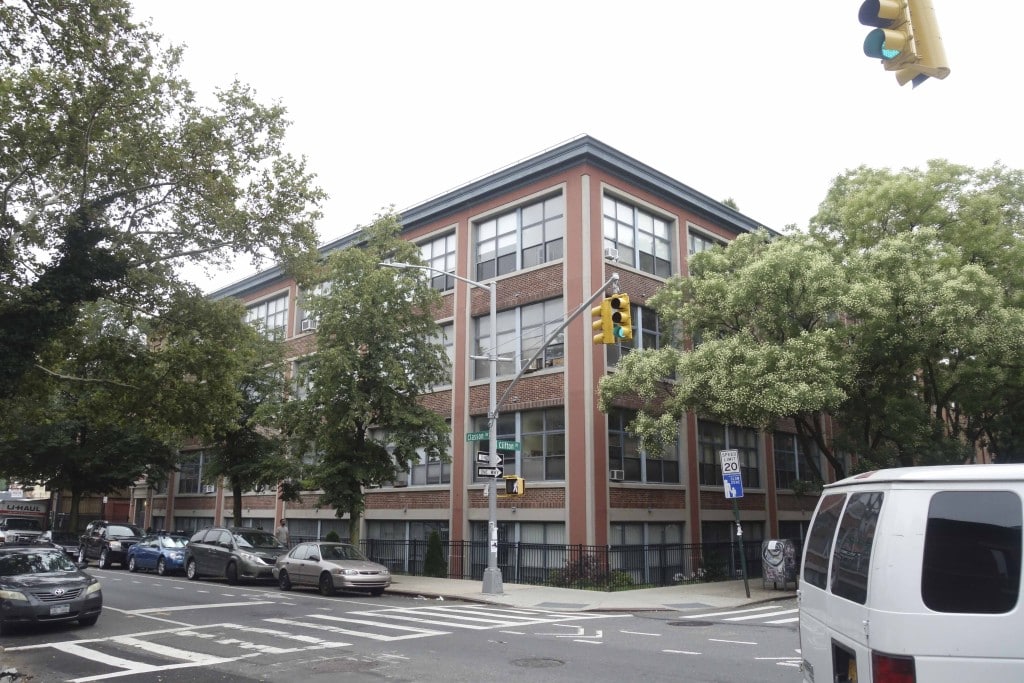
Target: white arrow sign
point(490, 471)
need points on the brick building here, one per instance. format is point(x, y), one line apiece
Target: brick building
point(551, 229)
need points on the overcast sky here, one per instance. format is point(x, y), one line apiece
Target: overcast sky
point(762, 102)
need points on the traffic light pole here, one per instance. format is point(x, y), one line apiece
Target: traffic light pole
point(492, 584)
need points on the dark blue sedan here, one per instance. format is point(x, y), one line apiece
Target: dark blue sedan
point(163, 552)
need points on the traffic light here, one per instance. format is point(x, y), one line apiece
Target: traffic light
point(622, 323)
point(603, 323)
point(514, 486)
point(906, 38)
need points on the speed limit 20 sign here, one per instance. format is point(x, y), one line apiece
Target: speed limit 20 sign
point(732, 477)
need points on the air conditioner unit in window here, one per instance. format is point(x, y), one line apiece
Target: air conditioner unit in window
point(611, 253)
point(308, 325)
point(617, 475)
point(209, 488)
point(537, 364)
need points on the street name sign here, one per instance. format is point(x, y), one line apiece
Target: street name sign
point(478, 436)
point(509, 445)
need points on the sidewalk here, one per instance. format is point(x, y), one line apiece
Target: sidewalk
point(681, 597)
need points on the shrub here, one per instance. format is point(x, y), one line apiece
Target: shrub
point(332, 536)
point(434, 563)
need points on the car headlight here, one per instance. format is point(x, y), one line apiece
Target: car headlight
point(12, 595)
point(176, 556)
point(249, 557)
point(93, 588)
point(385, 571)
point(345, 572)
point(115, 545)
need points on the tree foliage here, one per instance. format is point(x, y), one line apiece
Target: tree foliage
point(112, 175)
point(378, 352)
point(899, 314)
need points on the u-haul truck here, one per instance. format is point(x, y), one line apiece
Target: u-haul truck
point(22, 520)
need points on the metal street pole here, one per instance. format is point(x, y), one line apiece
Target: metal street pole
point(492, 575)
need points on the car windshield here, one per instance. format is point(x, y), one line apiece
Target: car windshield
point(256, 539)
point(173, 541)
point(115, 530)
point(340, 552)
point(23, 524)
point(13, 564)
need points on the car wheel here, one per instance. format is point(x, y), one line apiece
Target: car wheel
point(192, 571)
point(377, 591)
point(131, 564)
point(231, 573)
point(284, 581)
point(161, 567)
point(104, 562)
point(82, 557)
point(89, 621)
point(326, 584)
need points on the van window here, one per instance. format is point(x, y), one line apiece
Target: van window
point(972, 552)
point(852, 559)
point(819, 541)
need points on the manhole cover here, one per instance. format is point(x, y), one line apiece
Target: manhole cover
point(538, 662)
point(694, 622)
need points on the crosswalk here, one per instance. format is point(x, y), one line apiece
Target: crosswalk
point(196, 646)
point(761, 614)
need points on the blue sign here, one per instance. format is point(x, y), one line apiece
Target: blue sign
point(733, 484)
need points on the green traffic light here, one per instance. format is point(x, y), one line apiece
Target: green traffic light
point(875, 44)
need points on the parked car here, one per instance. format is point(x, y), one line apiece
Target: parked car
point(330, 567)
point(107, 542)
point(15, 530)
point(40, 585)
point(65, 540)
point(234, 553)
point(163, 552)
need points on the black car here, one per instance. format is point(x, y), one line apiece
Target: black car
point(40, 585)
point(108, 542)
point(65, 540)
point(232, 552)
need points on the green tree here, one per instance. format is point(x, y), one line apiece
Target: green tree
point(899, 314)
point(378, 352)
point(434, 563)
point(112, 175)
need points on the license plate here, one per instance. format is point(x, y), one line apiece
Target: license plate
point(59, 609)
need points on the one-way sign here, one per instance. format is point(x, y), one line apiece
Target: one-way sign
point(490, 471)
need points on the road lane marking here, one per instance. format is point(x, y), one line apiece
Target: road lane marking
point(185, 608)
point(762, 616)
point(731, 642)
point(641, 633)
point(722, 614)
point(681, 652)
point(412, 632)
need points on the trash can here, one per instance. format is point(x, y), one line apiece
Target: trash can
point(778, 563)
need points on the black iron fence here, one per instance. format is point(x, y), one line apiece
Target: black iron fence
point(610, 568)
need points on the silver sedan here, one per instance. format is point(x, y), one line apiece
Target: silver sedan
point(330, 567)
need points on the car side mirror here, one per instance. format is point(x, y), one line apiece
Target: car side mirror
point(313, 558)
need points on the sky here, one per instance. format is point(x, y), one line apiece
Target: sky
point(394, 102)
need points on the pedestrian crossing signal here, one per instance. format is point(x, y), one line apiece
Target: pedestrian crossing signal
point(515, 486)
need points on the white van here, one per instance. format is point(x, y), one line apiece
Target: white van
point(912, 575)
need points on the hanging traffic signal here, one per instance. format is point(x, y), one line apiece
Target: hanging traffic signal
point(622, 323)
point(603, 323)
point(906, 38)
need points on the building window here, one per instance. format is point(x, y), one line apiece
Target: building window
point(446, 338)
point(624, 453)
point(648, 552)
point(520, 332)
point(302, 379)
point(305, 320)
point(647, 334)
point(642, 239)
point(541, 435)
point(439, 254)
point(699, 242)
point(711, 440)
point(792, 463)
point(190, 474)
point(270, 316)
point(523, 237)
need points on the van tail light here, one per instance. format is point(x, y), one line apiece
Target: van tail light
point(892, 669)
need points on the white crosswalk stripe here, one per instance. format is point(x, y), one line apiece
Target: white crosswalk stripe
point(760, 614)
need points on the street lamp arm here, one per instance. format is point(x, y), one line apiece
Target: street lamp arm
point(404, 266)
